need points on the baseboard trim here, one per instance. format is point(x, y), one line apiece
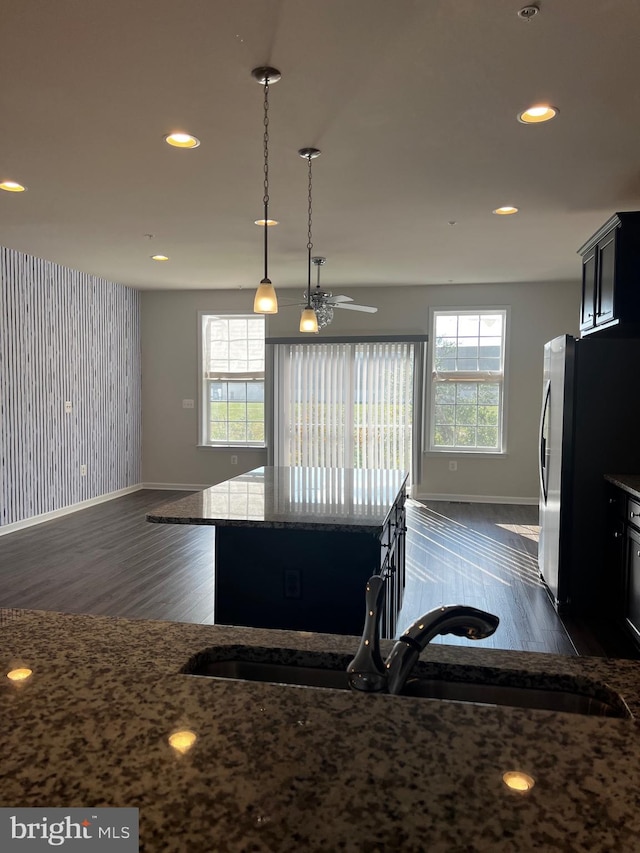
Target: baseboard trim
point(479, 499)
point(66, 510)
point(177, 487)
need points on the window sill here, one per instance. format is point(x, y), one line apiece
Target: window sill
point(468, 454)
point(235, 447)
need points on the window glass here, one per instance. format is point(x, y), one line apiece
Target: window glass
point(233, 380)
point(467, 380)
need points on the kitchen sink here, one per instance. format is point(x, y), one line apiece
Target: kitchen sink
point(450, 683)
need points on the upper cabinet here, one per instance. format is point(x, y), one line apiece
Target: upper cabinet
point(611, 278)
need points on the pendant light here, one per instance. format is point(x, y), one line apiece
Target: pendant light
point(308, 319)
point(266, 301)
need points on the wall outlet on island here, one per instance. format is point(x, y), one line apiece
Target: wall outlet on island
point(83, 470)
point(292, 583)
point(453, 465)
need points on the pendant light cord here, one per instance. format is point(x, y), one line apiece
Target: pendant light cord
point(309, 243)
point(265, 198)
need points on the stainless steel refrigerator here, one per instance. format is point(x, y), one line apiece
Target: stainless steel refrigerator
point(589, 426)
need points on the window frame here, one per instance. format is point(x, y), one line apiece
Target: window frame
point(431, 383)
point(204, 383)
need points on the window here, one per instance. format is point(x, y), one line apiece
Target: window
point(346, 405)
point(467, 381)
point(232, 380)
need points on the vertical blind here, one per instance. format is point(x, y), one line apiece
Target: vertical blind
point(344, 405)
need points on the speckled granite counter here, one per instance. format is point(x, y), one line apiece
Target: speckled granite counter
point(278, 768)
point(629, 483)
point(295, 498)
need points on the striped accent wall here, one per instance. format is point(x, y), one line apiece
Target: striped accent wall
point(65, 337)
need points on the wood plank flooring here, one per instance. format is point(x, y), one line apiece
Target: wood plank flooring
point(483, 555)
point(109, 560)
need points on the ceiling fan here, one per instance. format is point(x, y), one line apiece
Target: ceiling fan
point(323, 303)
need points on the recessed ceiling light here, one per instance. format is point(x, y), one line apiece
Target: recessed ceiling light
point(159, 258)
point(537, 114)
point(12, 187)
point(181, 140)
point(507, 210)
point(269, 222)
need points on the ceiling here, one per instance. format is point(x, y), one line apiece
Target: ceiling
point(413, 104)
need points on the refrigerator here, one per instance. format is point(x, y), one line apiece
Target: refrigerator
point(589, 427)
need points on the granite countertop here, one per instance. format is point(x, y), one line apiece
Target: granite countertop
point(630, 483)
point(292, 497)
point(281, 768)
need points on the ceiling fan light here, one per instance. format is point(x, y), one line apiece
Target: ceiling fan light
point(308, 321)
point(265, 300)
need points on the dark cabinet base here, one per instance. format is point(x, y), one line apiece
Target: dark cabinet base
point(302, 580)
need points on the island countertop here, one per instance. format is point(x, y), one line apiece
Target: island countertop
point(279, 768)
point(292, 497)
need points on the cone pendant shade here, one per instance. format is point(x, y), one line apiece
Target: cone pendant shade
point(308, 321)
point(265, 300)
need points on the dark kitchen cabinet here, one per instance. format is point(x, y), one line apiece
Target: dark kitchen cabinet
point(632, 565)
point(633, 590)
point(621, 579)
point(610, 302)
point(615, 581)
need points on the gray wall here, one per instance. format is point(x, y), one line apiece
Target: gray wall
point(65, 336)
point(170, 374)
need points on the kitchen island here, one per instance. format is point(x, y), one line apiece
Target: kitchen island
point(294, 546)
point(284, 769)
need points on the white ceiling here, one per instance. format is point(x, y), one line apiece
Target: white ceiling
point(412, 102)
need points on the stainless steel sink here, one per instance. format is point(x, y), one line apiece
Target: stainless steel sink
point(542, 692)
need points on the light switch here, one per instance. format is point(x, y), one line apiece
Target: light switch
point(187, 404)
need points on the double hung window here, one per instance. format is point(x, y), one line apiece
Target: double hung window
point(467, 380)
point(233, 380)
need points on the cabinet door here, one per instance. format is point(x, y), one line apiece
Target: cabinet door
point(588, 305)
point(606, 262)
point(615, 581)
point(633, 588)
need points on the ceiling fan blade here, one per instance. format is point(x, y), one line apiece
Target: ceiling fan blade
point(368, 308)
point(340, 299)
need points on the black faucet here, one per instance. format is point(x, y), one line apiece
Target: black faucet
point(369, 673)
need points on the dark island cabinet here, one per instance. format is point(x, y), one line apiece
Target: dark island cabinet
point(610, 302)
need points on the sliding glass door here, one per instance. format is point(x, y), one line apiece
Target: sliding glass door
point(347, 404)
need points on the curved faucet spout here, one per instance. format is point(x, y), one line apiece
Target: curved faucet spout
point(455, 619)
point(366, 670)
point(368, 673)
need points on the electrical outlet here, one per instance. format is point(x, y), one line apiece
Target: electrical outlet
point(67, 407)
point(292, 583)
point(234, 460)
point(453, 465)
point(83, 470)
point(187, 404)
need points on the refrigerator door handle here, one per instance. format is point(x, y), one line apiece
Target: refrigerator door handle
point(542, 458)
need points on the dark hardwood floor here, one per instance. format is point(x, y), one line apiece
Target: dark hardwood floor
point(483, 555)
point(109, 560)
